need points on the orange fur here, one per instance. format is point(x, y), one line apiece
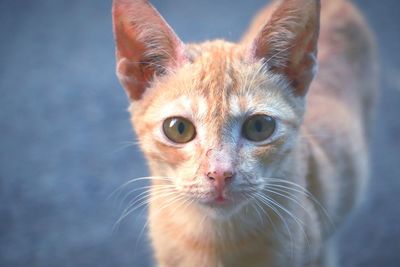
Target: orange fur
point(320, 143)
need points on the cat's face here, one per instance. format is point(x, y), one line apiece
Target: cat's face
point(218, 114)
point(216, 120)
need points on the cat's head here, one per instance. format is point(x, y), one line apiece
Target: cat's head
point(218, 119)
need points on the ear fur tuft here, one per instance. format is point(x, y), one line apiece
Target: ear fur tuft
point(288, 42)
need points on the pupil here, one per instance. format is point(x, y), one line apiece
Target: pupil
point(258, 125)
point(181, 128)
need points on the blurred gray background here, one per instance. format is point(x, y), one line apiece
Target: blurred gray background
point(64, 133)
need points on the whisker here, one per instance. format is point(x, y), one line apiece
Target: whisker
point(144, 200)
point(299, 222)
point(256, 202)
point(147, 191)
point(144, 178)
point(292, 197)
point(302, 190)
point(124, 145)
point(173, 201)
point(268, 203)
point(146, 188)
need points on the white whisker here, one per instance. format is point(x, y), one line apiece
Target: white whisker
point(301, 190)
point(268, 203)
point(168, 204)
point(144, 200)
point(134, 180)
point(293, 198)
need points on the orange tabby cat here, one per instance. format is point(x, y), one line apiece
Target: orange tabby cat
point(250, 160)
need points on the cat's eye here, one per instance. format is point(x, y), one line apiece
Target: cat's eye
point(258, 127)
point(179, 130)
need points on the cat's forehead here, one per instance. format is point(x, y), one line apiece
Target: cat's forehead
point(214, 69)
point(219, 70)
point(224, 105)
point(218, 84)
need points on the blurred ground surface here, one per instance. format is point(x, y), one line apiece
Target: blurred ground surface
point(64, 128)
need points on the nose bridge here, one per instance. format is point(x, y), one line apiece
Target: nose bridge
point(219, 156)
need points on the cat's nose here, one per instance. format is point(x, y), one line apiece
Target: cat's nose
point(220, 178)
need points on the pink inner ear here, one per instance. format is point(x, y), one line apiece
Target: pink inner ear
point(128, 75)
point(146, 45)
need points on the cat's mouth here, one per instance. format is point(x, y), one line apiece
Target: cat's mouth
point(220, 199)
point(224, 199)
point(218, 205)
point(211, 197)
point(224, 206)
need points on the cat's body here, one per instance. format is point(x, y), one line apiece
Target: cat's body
point(212, 195)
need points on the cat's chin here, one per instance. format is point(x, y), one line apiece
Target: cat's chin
point(222, 208)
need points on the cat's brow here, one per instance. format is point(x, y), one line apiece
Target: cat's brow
point(181, 106)
point(245, 106)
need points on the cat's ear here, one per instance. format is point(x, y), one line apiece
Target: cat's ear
point(145, 45)
point(288, 42)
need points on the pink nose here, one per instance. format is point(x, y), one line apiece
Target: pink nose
point(220, 178)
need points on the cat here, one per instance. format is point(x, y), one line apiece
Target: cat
point(256, 157)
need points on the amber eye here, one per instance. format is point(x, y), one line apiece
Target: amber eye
point(179, 130)
point(259, 127)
